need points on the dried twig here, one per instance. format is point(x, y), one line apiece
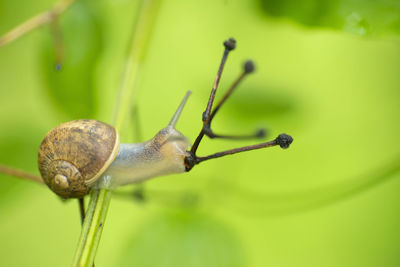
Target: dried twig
point(35, 22)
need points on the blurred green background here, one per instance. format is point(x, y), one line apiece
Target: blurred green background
point(328, 73)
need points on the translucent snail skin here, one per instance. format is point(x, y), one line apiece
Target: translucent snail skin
point(162, 155)
point(83, 154)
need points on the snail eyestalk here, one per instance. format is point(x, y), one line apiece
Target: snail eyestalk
point(178, 111)
point(191, 159)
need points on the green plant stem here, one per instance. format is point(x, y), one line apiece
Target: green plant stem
point(92, 227)
point(136, 53)
point(100, 198)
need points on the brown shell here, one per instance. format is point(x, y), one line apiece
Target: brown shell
point(79, 152)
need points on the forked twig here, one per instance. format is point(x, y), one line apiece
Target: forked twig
point(192, 159)
point(35, 22)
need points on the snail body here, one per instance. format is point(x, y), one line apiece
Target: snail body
point(75, 155)
point(162, 155)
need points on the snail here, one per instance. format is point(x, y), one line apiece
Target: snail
point(83, 154)
point(74, 155)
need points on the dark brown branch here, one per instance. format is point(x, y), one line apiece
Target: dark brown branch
point(191, 159)
point(247, 69)
point(283, 140)
point(229, 46)
point(261, 133)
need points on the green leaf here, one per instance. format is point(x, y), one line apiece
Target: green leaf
point(371, 18)
point(183, 239)
point(69, 59)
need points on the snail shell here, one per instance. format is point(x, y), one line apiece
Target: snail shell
point(73, 155)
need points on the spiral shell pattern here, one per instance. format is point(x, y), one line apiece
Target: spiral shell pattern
point(73, 155)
